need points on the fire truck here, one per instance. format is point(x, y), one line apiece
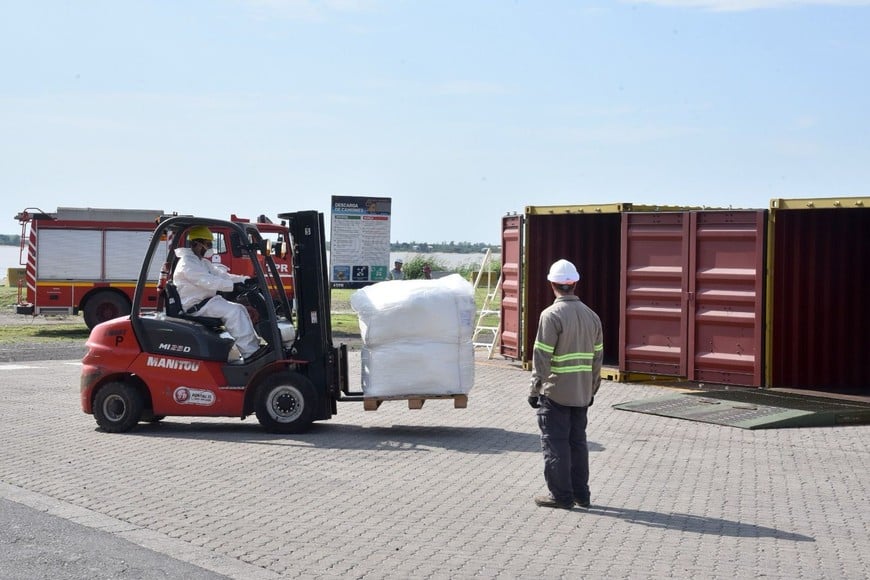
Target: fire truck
point(87, 260)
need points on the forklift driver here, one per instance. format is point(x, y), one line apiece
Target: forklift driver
point(198, 282)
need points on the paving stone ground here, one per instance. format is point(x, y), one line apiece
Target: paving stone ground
point(443, 492)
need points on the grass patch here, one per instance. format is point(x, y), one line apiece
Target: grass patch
point(8, 296)
point(43, 333)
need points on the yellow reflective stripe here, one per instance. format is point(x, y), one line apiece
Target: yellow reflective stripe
point(544, 347)
point(598, 347)
point(572, 355)
point(571, 369)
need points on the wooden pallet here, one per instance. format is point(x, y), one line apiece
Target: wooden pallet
point(414, 401)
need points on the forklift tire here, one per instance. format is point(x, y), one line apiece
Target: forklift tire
point(118, 407)
point(285, 402)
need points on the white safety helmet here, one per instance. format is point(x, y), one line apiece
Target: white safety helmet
point(563, 272)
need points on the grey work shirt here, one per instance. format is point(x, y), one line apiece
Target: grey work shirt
point(569, 348)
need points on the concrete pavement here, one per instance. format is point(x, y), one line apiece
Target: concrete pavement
point(443, 492)
point(36, 544)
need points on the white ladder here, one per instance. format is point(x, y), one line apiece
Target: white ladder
point(486, 335)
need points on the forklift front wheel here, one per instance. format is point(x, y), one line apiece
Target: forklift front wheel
point(285, 403)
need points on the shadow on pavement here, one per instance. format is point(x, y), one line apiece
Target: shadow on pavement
point(487, 440)
point(696, 524)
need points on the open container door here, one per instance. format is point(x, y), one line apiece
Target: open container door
point(511, 271)
point(587, 235)
point(819, 263)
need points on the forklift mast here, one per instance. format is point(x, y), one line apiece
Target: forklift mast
point(314, 302)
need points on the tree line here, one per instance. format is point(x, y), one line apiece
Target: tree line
point(444, 247)
point(417, 247)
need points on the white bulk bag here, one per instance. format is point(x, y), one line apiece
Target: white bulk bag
point(417, 368)
point(441, 309)
point(417, 336)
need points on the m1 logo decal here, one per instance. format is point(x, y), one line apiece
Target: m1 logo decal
point(174, 347)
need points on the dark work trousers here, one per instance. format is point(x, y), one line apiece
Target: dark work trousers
point(566, 455)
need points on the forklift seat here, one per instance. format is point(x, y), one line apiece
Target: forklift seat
point(173, 308)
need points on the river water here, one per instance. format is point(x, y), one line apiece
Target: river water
point(8, 259)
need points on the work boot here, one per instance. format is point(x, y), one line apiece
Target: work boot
point(584, 503)
point(550, 502)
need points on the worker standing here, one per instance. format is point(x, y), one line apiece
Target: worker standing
point(396, 273)
point(565, 377)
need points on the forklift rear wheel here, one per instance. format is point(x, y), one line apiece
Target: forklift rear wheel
point(285, 403)
point(118, 407)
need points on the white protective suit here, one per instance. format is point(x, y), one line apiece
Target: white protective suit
point(198, 279)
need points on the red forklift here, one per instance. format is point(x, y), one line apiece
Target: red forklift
point(156, 363)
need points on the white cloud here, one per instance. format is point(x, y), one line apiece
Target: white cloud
point(746, 5)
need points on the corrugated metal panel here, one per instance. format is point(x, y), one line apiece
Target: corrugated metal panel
point(818, 291)
point(511, 261)
point(589, 236)
point(69, 254)
point(653, 290)
point(125, 250)
point(726, 283)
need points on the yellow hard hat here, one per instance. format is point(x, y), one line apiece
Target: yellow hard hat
point(199, 233)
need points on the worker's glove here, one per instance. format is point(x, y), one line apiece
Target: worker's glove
point(534, 402)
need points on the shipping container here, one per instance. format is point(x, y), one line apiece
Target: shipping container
point(679, 291)
point(589, 236)
point(818, 288)
point(760, 298)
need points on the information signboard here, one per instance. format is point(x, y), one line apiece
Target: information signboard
point(359, 245)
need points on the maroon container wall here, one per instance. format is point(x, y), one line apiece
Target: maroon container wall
point(654, 290)
point(592, 242)
point(511, 260)
point(726, 291)
point(821, 315)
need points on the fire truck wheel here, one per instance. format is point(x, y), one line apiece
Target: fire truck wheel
point(285, 402)
point(104, 306)
point(118, 407)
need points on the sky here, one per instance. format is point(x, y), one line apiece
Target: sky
point(460, 111)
